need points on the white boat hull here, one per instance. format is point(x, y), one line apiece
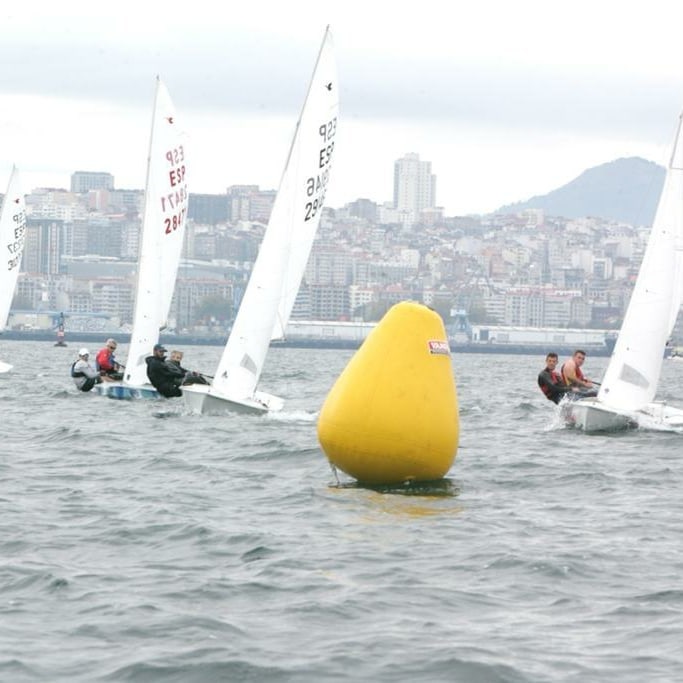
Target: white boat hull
point(592, 415)
point(5, 367)
point(204, 400)
point(126, 392)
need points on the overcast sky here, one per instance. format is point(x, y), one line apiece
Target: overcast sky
point(507, 99)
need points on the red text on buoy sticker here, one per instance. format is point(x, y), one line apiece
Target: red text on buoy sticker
point(439, 347)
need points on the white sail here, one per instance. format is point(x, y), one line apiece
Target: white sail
point(631, 379)
point(675, 191)
point(163, 229)
point(312, 157)
point(12, 236)
point(275, 278)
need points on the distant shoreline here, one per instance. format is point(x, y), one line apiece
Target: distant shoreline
point(74, 338)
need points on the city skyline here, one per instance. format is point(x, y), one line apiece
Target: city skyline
point(514, 268)
point(505, 101)
point(626, 190)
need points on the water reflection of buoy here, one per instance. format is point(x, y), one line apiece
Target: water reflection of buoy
point(392, 415)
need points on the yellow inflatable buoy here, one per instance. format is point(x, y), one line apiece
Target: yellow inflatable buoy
point(392, 414)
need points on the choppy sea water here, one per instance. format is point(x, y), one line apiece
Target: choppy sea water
point(142, 543)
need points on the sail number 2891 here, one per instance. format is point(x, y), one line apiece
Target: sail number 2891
point(317, 185)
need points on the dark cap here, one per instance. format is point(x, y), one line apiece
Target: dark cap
point(159, 347)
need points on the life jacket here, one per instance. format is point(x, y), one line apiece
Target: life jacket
point(579, 374)
point(76, 373)
point(545, 388)
point(104, 360)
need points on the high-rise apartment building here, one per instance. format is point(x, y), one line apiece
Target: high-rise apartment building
point(45, 242)
point(414, 185)
point(84, 181)
point(248, 203)
point(209, 209)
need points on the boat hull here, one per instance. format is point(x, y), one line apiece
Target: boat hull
point(126, 392)
point(5, 367)
point(591, 415)
point(661, 415)
point(204, 400)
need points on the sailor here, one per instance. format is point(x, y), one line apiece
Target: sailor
point(106, 363)
point(573, 376)
point(571, 371)
point(84, 375)
point(187, 376)
point(550, 381)
point(165, 381)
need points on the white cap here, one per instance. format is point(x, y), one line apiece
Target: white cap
point(83, 352)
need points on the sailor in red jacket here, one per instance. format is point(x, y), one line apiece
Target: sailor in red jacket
point(571, 371)
point(106, 362)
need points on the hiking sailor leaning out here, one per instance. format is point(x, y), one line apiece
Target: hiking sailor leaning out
point(84, 375)
point(187, 376)
point(164, 380)
point(571, 371)
point(550, 381)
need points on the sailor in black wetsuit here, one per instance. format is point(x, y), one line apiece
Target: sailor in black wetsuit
point(187, 376)
point(166, 382)
point(550, 381)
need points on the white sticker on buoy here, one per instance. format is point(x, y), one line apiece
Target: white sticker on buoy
point(440, 347)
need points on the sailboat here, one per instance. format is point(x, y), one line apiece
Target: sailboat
point(626, 395)
point(163, 230)
point(12, 236)
point(276, 276)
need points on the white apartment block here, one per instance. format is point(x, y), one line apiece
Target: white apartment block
point(359, 297)
point(414, 185)
point(113, 297)
point(326, 267)
point(55, 205)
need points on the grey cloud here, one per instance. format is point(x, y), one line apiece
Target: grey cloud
point(524, 98)
point(254, 75)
